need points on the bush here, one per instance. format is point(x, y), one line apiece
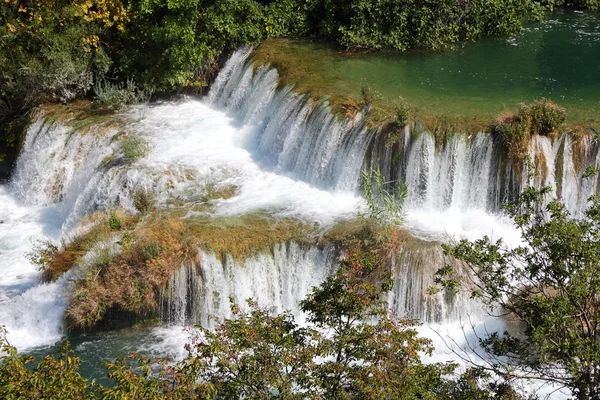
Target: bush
point(402, 113)
point(102, 256)
point(114, 222)
point(143, 201)
point(514, 133)
point(543, 116)
point(117, 95)
point(134, 148)
point(151, 251)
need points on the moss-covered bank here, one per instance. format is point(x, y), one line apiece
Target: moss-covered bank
point(118, 263)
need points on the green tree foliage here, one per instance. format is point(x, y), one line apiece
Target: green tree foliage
point(551, 285)
point(409, 24)
point(351, 349)
point(158, 47)
point(581, 4)
point(47, 52)
point(53, 377)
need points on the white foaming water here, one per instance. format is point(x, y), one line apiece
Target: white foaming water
point(192, 135)
point(458, 342)
point(287, 156)
point(277, 281)
point(31, 313)
point(453, 224)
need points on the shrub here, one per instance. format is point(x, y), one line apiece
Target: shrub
point(402, 113)
point(117, 95)
point(102, 257)
point(143, 201)
point(134, 148)
point(369, 95)
point(514, 133)
point(151, 251)
point(543, 116)
point(114, 222)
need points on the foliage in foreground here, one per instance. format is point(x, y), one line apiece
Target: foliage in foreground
point(551, 286)
point(352, 349)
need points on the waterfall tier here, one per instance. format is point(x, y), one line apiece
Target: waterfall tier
point(276, 153)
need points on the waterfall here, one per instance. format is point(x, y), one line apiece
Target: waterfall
point(291, 133)
point(277, 280)
point(301, 137)
point(414, 272)
point(287, 156)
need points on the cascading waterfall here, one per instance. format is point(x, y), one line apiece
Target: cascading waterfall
point(291, 133)
point(302, 138)
point(278, 280)
point(286, 155)
point(414, 272)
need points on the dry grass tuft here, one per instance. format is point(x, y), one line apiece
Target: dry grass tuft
point(247, 235)
point(128, 282)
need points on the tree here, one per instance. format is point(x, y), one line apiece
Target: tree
point(551, 285)
point(53, 377)
point(352, 349)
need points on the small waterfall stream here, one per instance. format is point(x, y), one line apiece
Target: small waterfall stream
point(287, 155)
point(278, 281)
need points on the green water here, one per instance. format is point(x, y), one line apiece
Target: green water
point(94, 349)
point(558, 59)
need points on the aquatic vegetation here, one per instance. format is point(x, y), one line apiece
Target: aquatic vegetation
point(133, 148)
point(384, 199)
point(128, 282)
point(246, 235)
point(542, 117)
point(303, 69)
point(80, 116)
point(214, 191)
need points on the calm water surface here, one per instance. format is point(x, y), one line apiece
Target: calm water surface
point(557, 59)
